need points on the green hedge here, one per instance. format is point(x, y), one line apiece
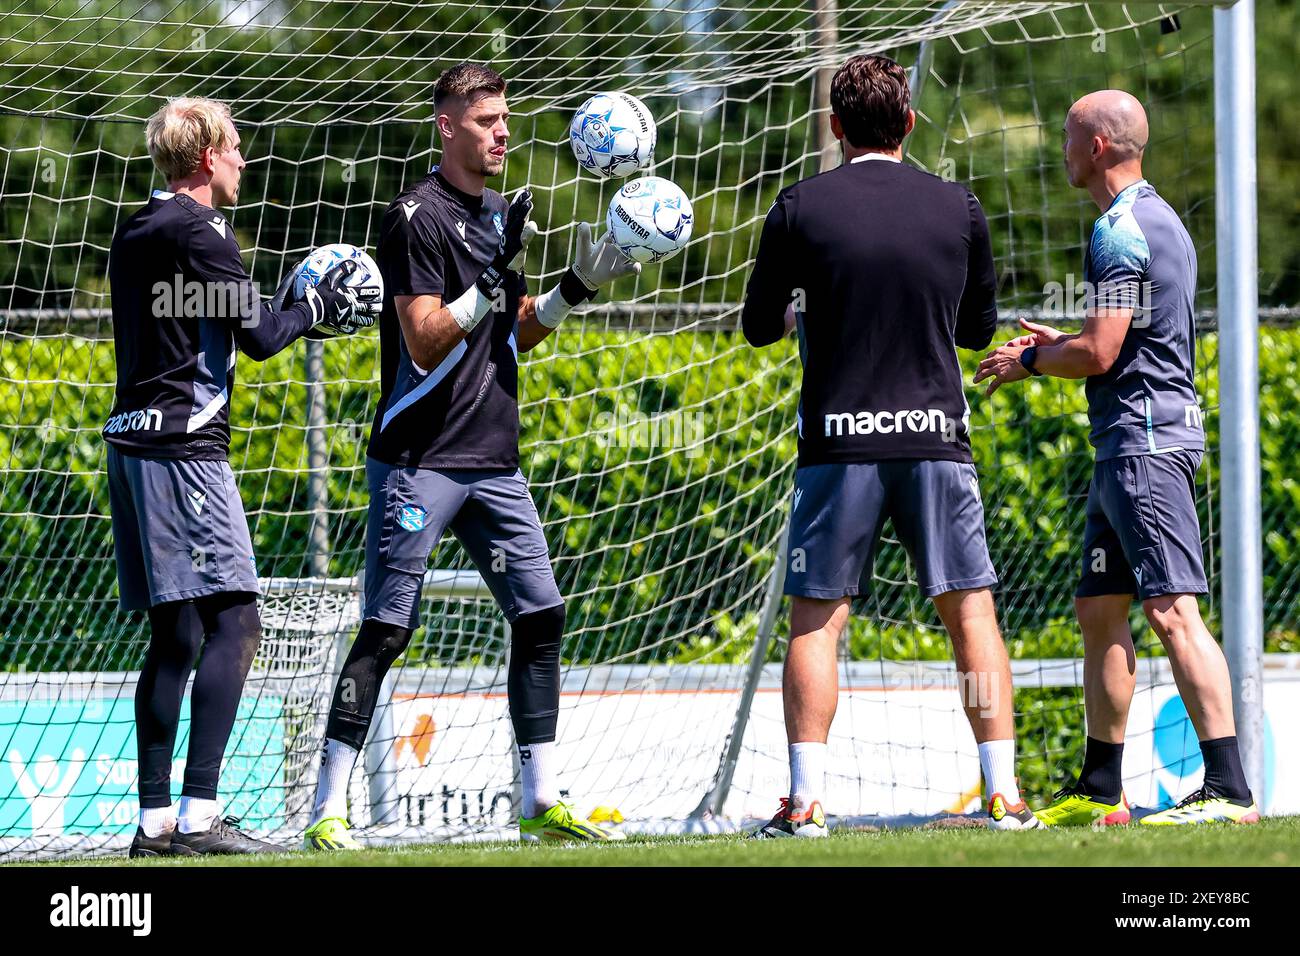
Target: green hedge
point(662, 539)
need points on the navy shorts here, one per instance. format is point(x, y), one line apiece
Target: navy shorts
point(840, 509)
point(1141, 535)
point(179, 530)
point(489, 510)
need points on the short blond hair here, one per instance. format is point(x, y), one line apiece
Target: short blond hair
point(182, 129)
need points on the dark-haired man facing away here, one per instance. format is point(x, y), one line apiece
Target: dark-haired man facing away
point(885, 270)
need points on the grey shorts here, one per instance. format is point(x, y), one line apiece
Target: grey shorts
point(1141, 534)
point(840, 509)
point(179, 530)
point(489, 510)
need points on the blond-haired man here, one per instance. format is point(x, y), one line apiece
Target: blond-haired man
point(183, 305)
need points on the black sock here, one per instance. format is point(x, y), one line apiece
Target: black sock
point(1101, 777)
point(378, 644)
point(1224, 775)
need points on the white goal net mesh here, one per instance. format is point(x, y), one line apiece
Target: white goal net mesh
point(658, 445)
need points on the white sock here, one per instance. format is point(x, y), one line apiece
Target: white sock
point(807, 773)
point(998, 761)
point(332, 787)
point(156, 821)
point(537, 767)
point(197, 814)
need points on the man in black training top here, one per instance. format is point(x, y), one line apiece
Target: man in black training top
point(444, 447)
point(885, 270)
point(182, 305)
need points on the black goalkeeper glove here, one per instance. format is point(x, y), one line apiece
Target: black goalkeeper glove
point(344, 308)
point(339, 309)
point(284, 298)
point(519, 230)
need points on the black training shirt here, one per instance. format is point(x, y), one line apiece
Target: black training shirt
point(182, 302)
point(435, 240)
point(894, 271)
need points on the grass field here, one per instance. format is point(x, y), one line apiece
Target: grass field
point(1273, 842)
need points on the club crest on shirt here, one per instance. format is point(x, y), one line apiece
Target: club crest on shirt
point(496, 221)
point(412, 517)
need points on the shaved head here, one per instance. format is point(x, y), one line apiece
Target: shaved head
point(1115, 116)
point(1105, 137)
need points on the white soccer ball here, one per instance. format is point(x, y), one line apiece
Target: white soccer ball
point(650, 219)
point(367, 283)
point(613, 135)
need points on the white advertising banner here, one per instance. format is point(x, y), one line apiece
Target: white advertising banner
point(652, 754)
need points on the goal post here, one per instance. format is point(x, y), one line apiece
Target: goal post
point(1237, 230)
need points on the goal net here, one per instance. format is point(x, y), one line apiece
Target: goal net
point(659, 447)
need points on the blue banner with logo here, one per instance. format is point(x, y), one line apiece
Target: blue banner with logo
point(70, 767)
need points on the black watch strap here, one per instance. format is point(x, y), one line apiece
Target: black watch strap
point(1028, 357)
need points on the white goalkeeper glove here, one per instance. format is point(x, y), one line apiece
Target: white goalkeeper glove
point(601, 262)
point(597, 263)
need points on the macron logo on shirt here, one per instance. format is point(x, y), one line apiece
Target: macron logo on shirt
point(885, 423)
point(846, 423)
point(218, 224)
point(409, 208)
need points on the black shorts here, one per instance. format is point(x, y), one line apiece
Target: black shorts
point(179, 530)
point(489, 510)
point(1142, 535)
point(840, 509)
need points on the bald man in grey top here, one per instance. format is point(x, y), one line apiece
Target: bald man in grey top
point(1142, 535)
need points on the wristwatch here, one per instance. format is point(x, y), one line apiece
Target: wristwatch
point(1028, 357)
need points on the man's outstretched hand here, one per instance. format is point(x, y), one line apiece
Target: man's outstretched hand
point(1002, 365)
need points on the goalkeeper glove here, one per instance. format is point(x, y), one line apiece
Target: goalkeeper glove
point(597, 264)
point(339, 309)
point(283, 297)
point(345, 308)
point(512, 248)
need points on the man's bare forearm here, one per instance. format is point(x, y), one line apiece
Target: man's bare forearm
point(433, 335)
point(1072, 357)
point(531, 332)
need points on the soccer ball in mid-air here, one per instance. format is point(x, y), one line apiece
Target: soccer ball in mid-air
point(613, 135)
point(650, 219)
point(366, 282)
